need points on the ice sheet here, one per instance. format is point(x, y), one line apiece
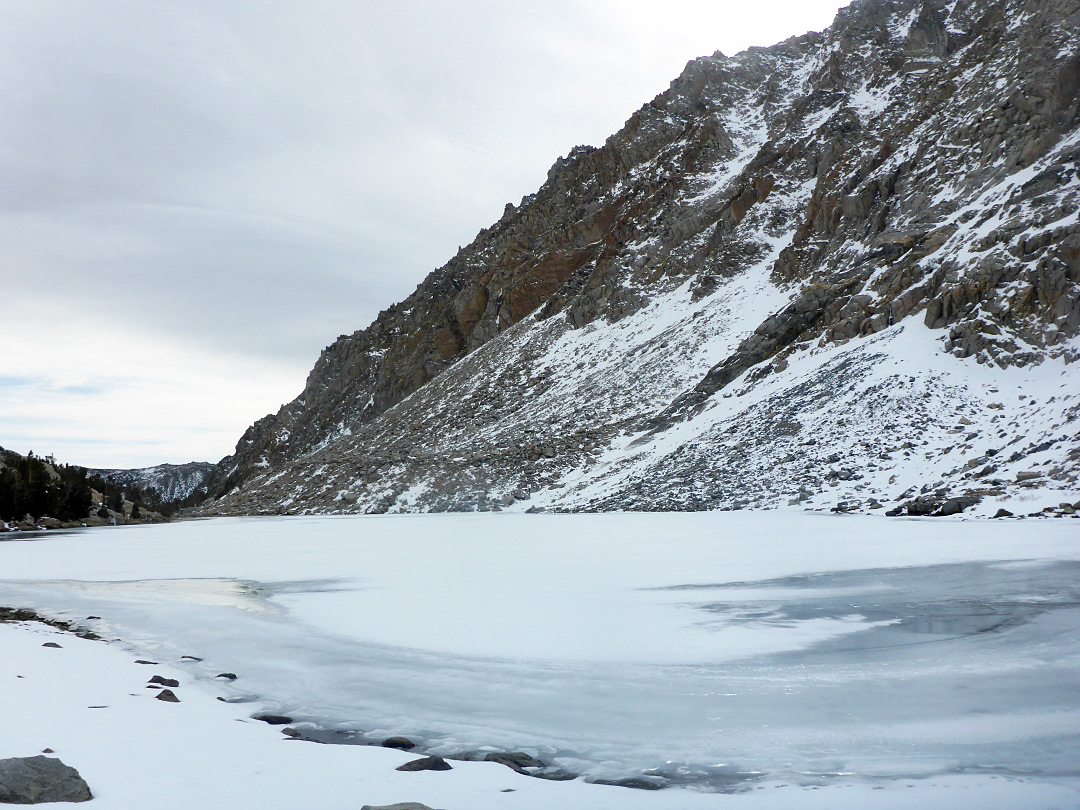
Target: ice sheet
point(713, 649)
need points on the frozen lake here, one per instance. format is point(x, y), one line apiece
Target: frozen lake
point(712, 649)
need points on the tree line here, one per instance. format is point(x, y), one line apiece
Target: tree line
point(27, 487)
point(40, 487)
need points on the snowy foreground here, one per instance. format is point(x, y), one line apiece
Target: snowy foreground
point(752, 660)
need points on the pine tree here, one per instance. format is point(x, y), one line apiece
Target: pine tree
point(37, 488)
point(9, 493)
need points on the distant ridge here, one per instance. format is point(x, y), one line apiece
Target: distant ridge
point(173, 482)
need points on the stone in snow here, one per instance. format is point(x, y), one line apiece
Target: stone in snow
point(426, 764)
point(515, 760)
point(40, 779)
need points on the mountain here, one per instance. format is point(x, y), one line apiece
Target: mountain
point(841, 271)
point(173, 482)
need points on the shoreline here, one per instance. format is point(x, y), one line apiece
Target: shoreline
point(13, 531)
point(302, 730)
point(474, 784)
point(147, 725)
point(10, 615)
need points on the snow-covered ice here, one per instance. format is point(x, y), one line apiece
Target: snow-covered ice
point(725, 651)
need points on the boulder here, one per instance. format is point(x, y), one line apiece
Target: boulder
point(400, 743)
point(398, 806)
point(631, 782)
point(954, 506)
point(516, 760)
point(40, 779)
point(426, 764)
point(168, 696)
point(555, 775)
point(164, 681)
point(922, 505)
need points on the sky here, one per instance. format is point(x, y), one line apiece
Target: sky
point(196, 197)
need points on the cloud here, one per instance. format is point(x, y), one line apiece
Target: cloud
point(101, 397)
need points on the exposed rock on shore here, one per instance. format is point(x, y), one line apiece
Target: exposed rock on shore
point(40, 779)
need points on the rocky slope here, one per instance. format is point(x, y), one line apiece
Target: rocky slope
point(173, 482)
point(840, 271)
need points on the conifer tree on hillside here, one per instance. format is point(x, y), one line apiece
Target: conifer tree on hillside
point(39, 487)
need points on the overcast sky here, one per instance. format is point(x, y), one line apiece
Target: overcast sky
point(197, 196)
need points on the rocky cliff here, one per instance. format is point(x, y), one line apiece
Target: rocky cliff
point(172, 482)
point(840, 271)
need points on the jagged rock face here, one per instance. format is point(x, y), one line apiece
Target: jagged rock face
point(173, 482)
point(781, 223)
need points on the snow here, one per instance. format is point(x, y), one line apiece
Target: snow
point(1017, 21)
point(991, 205)
point(412, 495)
point(791, 658)
point(869, 104)
point(815, 120)
point(867, 384)
point(748, 131)
point(899, 29)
